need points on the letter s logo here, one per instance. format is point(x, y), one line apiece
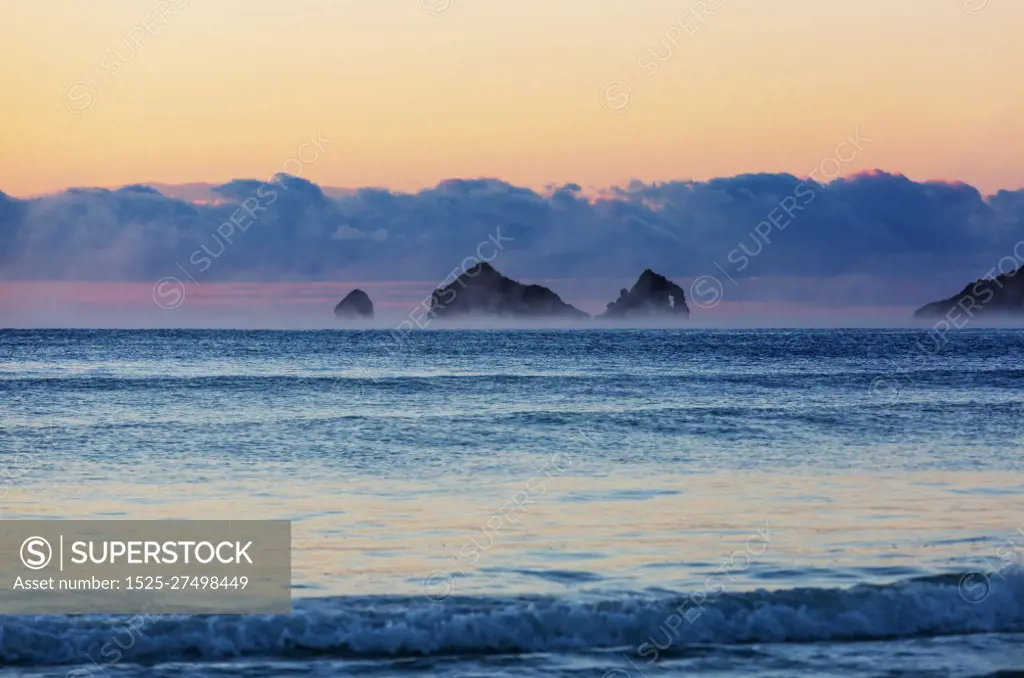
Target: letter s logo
point(36, 553)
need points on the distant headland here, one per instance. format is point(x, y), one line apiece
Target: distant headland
point(1002, 295)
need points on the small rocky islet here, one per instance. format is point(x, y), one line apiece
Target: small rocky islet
point(653, 295)
point(355, 306)
point(483, 292)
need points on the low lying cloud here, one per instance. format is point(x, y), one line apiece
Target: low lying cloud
point(346, 232)
point(881, 228)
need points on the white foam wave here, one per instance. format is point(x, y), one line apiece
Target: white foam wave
point(375, 627)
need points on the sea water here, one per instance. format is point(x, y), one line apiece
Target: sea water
point(555, 503)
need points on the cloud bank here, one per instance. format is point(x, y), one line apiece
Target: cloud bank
point(879, 232)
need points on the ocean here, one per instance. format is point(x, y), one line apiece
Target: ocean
point(610, 503)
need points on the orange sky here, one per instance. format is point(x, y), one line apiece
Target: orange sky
point(413, 91)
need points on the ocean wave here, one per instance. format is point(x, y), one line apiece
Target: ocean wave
point(163, 377)
point(373, 627)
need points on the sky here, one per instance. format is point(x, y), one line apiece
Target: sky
point(604, 136)
point(417, 91)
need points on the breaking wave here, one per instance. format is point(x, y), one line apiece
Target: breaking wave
point(369, 627)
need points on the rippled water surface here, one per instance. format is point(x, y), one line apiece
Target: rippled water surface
point(607, 503)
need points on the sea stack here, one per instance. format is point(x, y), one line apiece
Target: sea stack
point(355, 306)
point(653, 295)
point(1002, 295)
point(483, 292)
